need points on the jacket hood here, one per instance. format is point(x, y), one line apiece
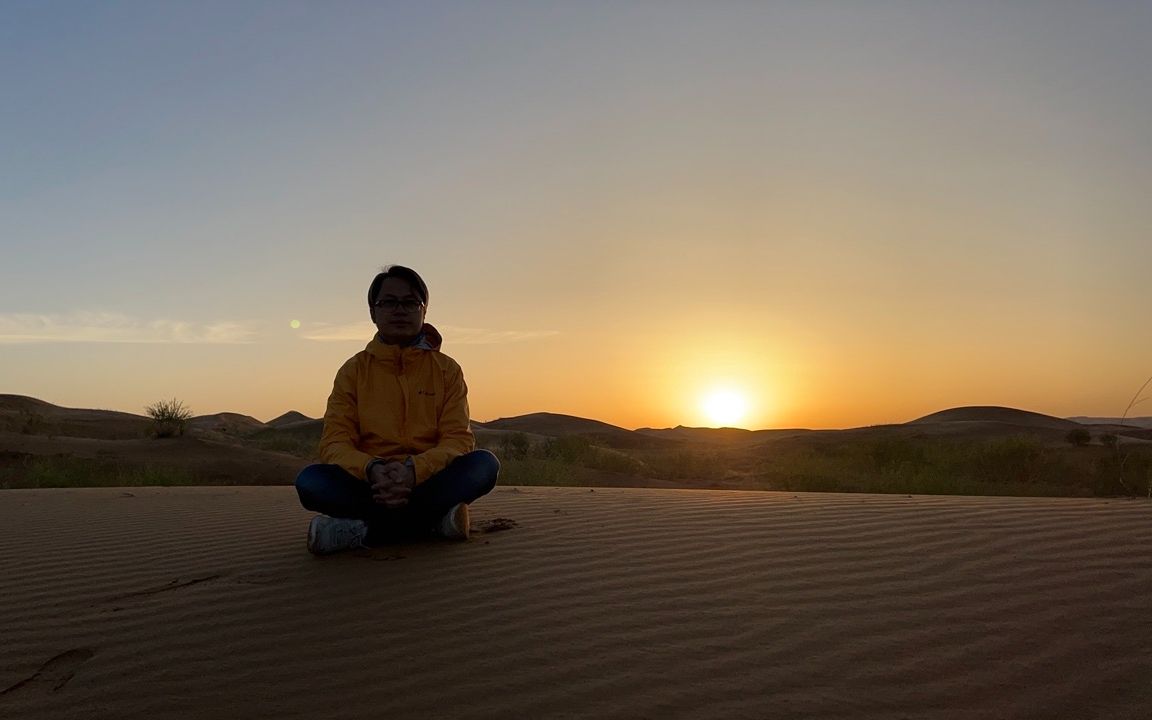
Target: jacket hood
point(428, 339)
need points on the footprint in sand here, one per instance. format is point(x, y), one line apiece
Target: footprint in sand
point(494, 525)
point(54, 674)
point(174, 585)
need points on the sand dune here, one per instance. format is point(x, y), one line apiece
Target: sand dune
point(289, 418)
point(227, 423)
point(22, 414)
point(617, 603)
point(557, 425)
point(995, 413)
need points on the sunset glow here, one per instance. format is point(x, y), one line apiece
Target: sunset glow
point(817, 215)
point(724, 407)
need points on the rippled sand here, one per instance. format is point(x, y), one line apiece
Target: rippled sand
point(613, 603)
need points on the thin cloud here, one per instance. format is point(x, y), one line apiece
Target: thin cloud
point(362, 332)
point(321, 332)
point(90, 327)
point(481, 336)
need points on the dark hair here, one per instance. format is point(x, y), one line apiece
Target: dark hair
point(408, 275)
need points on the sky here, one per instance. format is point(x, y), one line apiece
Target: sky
point(760, 214)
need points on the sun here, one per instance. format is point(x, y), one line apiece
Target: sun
point(724, 407)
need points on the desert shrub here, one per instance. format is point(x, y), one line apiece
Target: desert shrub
point(558, 460)
point(813, 482)
point(928, 466)
point(616, 461)
point(1126, 471)
point(169, 418)
point(1139, 467)
point(303, 447)
point(897, 455)
point(572, 449)
point(515, 446)
point(1006, 466)
point(1017, 465)
point(683, 464)
point(1078, 437)
point(302, 441)
point(536, 471)
point(67, 471)
point(1012, 459)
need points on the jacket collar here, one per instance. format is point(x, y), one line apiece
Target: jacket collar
point(428, 339)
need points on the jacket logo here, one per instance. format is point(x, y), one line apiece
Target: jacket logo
point(429, 393)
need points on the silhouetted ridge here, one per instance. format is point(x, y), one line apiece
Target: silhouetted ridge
point(1139, 422)
point(23, 403)
point(288, 418)
point(996, 414)
point(557, 425)
point(554, 424)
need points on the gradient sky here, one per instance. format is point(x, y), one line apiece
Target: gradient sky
point(848, 212)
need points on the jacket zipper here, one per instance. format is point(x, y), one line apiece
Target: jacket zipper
point(404, 396)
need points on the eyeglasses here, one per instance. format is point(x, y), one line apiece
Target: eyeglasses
point(392, 304)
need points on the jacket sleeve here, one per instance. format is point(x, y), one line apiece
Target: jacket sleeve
point(455, 432)
point(338, 444)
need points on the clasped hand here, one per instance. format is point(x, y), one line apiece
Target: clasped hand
point(391, 483)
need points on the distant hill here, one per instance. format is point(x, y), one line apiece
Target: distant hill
point(19, 403)
point(996, 414)
point(234, 448)
point(682, 432)
point(719, 435)
point(288, 418)
point(557, 425)
point(554, 424)
point(27, 415)
point(227, 423)
point(1140, 422)
point(300, 428)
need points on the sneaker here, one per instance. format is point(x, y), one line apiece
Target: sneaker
point(456, 523)
point(328, 534)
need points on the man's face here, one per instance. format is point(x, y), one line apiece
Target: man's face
point(397, 311)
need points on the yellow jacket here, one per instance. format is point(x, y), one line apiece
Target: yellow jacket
point(396, 403)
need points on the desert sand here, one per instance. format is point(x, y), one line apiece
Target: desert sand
point(621, 603)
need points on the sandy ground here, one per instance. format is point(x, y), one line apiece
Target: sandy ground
point(613, 603)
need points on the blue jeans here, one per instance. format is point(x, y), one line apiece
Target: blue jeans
point(333, 491)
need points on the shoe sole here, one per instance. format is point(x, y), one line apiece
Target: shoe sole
point(312, 535)
point(463, 520)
